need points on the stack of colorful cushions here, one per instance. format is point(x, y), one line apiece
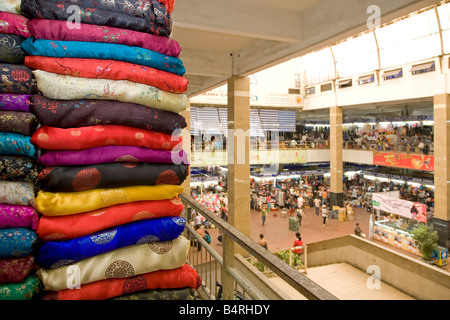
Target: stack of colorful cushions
point(111, 89)
point(18, 165)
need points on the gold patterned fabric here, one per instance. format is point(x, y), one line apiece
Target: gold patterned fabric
point(66, 203)
point(63, 87)
point(11, 6)
point(121, 263)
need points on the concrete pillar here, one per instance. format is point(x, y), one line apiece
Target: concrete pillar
point(441, 220)
point(238, 153)
point(336, 195)
point(238, 183)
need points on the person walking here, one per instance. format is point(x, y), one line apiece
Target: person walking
point(300, 215)
point(324, 196)
point(317, 205)
point(263, 215)
point(324, 214)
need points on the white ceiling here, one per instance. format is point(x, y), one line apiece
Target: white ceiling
point(222, 38)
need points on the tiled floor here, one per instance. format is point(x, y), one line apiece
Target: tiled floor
point(351, 284)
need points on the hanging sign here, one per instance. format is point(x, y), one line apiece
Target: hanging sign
point(404, 208)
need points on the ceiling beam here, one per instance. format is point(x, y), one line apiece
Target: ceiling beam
point(207, 63)
point(239, 18)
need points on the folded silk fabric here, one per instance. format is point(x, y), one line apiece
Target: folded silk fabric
point(103, 135)
point(83, 113)
point(53, 255)
point(169, 4)
point(11, 6)
point(16, 242)
point(13, 23)
point(63, 87)
point(27, 290)
point(102, 50)
point(120, 263)
point(54, 228)
point(182, 294)
point(110, 154)
point(16, 216)
point(18, 168)
point(15, 102)
point(67, 203)
point(110, 175)
point(182, 277)
point(18, 122)
point(16, 144)
point(17, 192)
point(145, 16)
point(10, 50)
point(16, 79)
point(60, 30)
point(16, 270)
point(109, 69)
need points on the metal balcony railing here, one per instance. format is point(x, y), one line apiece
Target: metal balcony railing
point(211, 266)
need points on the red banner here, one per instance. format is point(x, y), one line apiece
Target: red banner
point(404, 160)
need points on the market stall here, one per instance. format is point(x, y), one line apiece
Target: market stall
point(401, 217)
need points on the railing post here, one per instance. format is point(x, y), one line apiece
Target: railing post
point(305, 251)
point(228, 261)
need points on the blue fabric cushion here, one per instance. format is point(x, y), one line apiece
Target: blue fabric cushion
point(105, 51)
point(55, 254)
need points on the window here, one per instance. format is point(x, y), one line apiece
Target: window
point(317, 66)
point(311, 90)
point(326, 87)
point(345, 83)
point(366, 79)
point(423, 68)
point(411, 39)
point(294, 91)
point(444, 18)
point(393, 74)
point(357, 55)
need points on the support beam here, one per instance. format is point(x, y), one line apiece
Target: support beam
point(238, 184)
point(238, 153)
point(441, 220)
point(207, 63)
point(336, 162)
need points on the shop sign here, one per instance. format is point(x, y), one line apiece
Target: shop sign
point(400, 207)
point(404, 160)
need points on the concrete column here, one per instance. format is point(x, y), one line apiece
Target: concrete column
point(238, 183)
point(238, 153)
point(441, 220)
point(336, 195)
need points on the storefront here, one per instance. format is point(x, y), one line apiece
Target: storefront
point(399, 218)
